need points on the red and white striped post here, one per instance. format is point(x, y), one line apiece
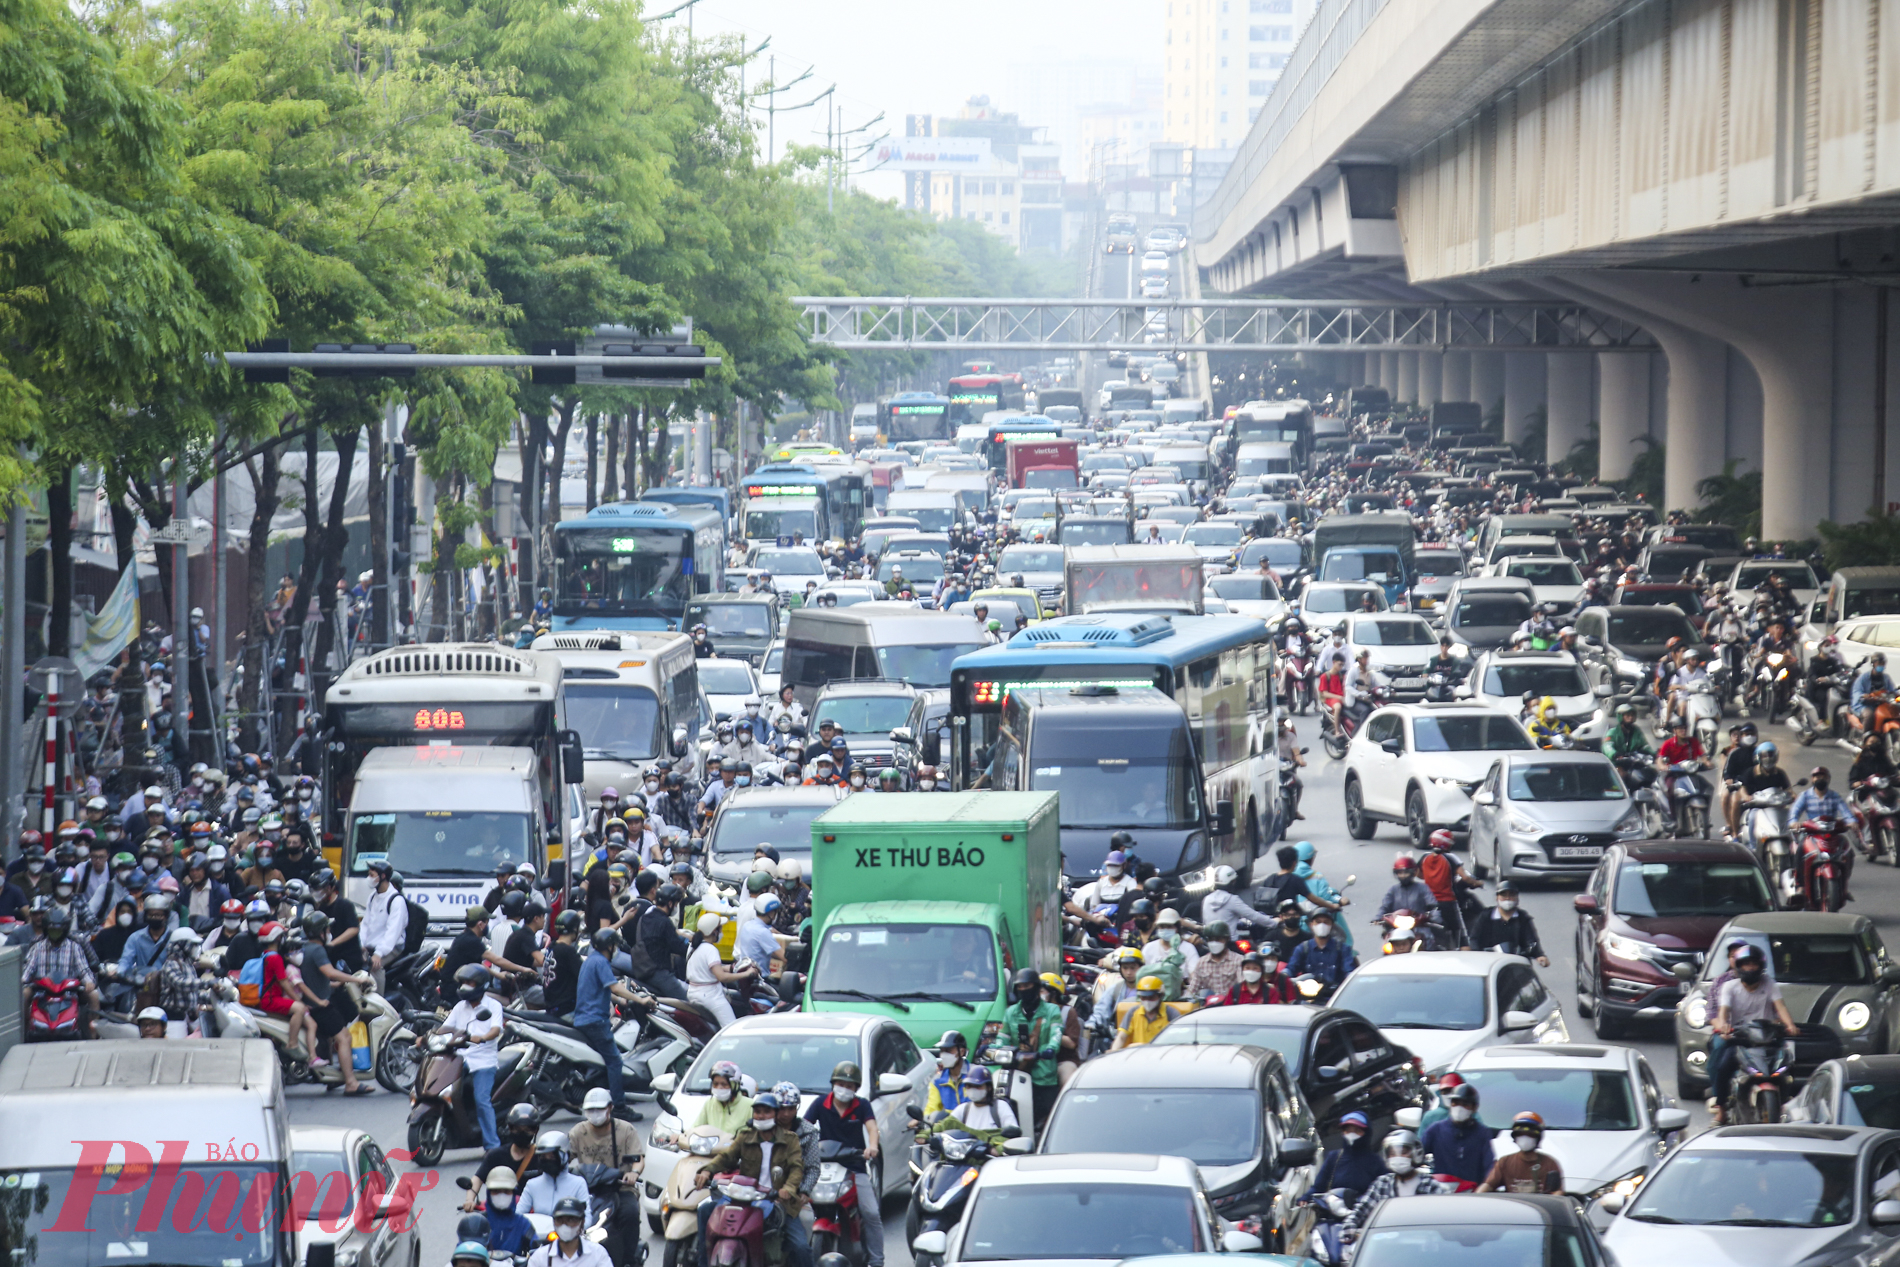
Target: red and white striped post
point(48, 821)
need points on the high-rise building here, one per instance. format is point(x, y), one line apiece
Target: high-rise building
point(1223, 58)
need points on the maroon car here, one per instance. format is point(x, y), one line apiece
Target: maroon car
point(1649, 906)
point(1682, 597)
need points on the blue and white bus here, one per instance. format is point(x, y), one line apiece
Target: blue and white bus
point(808, 501)
point(1219, 669)
point(634, 565)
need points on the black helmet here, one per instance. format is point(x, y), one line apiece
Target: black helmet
point(471, 982)
point(316, 925)
point(606, 940)
point(1121, 840)
point(514, 905)
point(1141, 906)
point(668, 893)
point(1154, 887)
point(574, 1207)
point(567, 922)
point(522, 1117)
point(1024, 982)
point(55, 920)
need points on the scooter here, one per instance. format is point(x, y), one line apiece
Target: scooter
point(613, 1215)
point(1765, 831)
point(442, 1105)
point(1688, 800)
point(1406, 932)
point(1879, 803)
point(1764, 1073)
point(1297, 683)
point(1822, 861)
point(53, 1016)
point(1337, 737)
point(836, 1226)
point(378, 1018)
point(681, 1199)
point(1331, 1209)
point(224, 1016)
point(1702, 705)
point(940, 1195)
point(735, 1231)
point(1772, 685)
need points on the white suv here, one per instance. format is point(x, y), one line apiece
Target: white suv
point(1416, 764)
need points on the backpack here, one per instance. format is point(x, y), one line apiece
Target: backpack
point(251, 982)
point(1435, 870)
point(417, 929)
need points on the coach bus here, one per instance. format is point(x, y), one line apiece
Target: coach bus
point(805, 501)
point(916, 416)
point(1219, 669)
point(973, 395)
point(634, 565)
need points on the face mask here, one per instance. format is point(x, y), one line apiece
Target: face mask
point(722, 1094)
point(926, 785)
point(1322, 930)
point(567, 1231)
point(1399, 1165)
point(653, 786)
point(1353, 1137)
point(979, 1095)
point(1112, 871)
point(148, 862)
point(1151, 1005)
point(843, 1093)
point(502, 1200)
point(946, 1060)
point(125, 919)
point(1460, 1114)
point(1525, 1143)
point(122, 874)
point(597, 1117)
point(1507, 904)
point(62, 891)
point(1216, 947)
point(36, 866)
point(745, 780)
point(296, 956)
point(857, 780)
point(264, 859)
point(765, 1125)
point(1250, 975)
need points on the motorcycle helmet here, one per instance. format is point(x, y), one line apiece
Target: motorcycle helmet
point(1225, 876)
point(521, 1121)
point(474, 915)
point(316, 926)
point(606, 940)
point(296, 891)
point(231, 908)
point(1404, 866)
point(668, 893)
point(1441, 840)
point(551, 1147)
point(471, 982)
point(471, 1252)
point(1141, 906)
point(1527, 1123)
point(1149, 987)
point(709, 925)
point(847, 1071)
point(55, 923)
point(1121, 842)
point(515, 905)
point(976, 1076)
point(1767, 755)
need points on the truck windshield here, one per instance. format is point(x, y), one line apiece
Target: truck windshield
point(206, 1216)
point(1077, 533)
point(1360, 565)
point(1049, 477)
point(443, 841)
point(957, 961)
point(622, 722)
point(1117, 776)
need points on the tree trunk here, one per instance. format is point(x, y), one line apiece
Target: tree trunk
point(132, 737)
point(297, 614)
point(534, 443)
point(255, 655)
point(557, 459)
point(657, 456)
point(59, 516)
point(636, 450)
point(610, 471)
point(336, 537)
point(593, 459)
point(378, 493)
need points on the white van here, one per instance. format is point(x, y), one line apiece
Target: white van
point(1263, 457)
point(934, 509)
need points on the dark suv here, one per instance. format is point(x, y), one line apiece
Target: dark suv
point(1648, 907)
point(1620, 645)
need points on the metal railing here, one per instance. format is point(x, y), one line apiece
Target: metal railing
point(900, 324)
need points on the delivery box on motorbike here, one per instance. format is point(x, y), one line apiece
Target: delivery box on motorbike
point(924, 904)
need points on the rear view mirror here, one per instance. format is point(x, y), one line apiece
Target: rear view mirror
point(932, 748)
point(892, 1084)
point(1890, 975)
point(665, 1083)
point(1484, 798)
point(1612, 1203)
point(323, 1253)
point(1604, 690)
point(1669, 1121)
point(679, 741)
point(1297, 1152)
point(573, 763)
point(1886, 1213)
point(1515, 1022)
point(1223, 818)
point(931, 1242)
point(1685, 971)
point(902, 737)
point(1239, 1242)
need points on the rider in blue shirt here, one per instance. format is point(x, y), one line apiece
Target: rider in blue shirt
point(509, 1231)
point(1818, 800)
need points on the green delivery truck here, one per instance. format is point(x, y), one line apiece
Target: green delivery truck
point(924, 904)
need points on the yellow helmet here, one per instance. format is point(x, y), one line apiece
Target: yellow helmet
point(1149, 985)
point(1054, 982)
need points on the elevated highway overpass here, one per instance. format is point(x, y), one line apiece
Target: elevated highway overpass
point(1724, 174)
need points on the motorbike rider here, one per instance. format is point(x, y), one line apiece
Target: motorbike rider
point(1442, 873)
point(550, 1181)
point(1750, 995)
point(1872, 762)
point(1692, 672)
point(1871, 679)
point(1403, 1177)
point(1034, 1028)
point(1527, 1169)
point(1547, 729)
point(1099, 902)
point(569, 1248)
point(515, 1152)
point(1363, 685)
point(1148, 1017)
point(1681, 748)
point(1626, 739)
point(1736, 767)
point(1120, 988)
point(983, 1113)
point(1407, 892)
point(601, 1139)
point(1460, 1144)
point(1226, 905)
point(843, 1117)
point(509, 1230)
point(1827, 672)
point(810, 1143)
point(1218, 968)
point(1287, 933)
point(727, 1109)
point(946, 1085)
point(1325, 957)
point(1353, 1164)
point(1453, 668)
point(1508, 927)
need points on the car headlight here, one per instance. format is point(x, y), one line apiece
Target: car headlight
point(1696, 1013)
point(1627, 667)
point(1523, 827)
point(1631, 824)
point(1198, 881)
point(1625, 1186)
point(1854, 1016)
point(1626, 947)
point(1448, 783)
point(1461, 651)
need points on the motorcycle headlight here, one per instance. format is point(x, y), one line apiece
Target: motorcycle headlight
point(1696, 1012)
point(1626, 947)
point(1854, 1016)
point(955, 1147)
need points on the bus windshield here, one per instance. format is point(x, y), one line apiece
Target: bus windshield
point(442, 841)
point(922, 421)
point(1124, 778)
point(622, 569)
point(621, 722)
point(791, 518)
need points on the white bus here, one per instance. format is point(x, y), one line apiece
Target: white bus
point(632, 698)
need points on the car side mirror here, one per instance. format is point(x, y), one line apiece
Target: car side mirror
point(1516, 1022)
point(394, 1206)
point(902, 737)
point(932, 1242)
point(892, 1084)
point(1329, 1073)
point(1604, 690)
point(1239, 1242)
point(1394, 747)
point(1886, 1213)
point(1484, 798)
point(1584, 904)
point(1018, 1147)
point(1612, 1202)
point(323, 1254)
point(1669, 1121)
point(1409, 1117)
point(1890, 975)
point(1684, 971)
point(666, 1083)
point(1297, 1152)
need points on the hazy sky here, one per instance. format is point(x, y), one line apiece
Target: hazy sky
point(921, 56)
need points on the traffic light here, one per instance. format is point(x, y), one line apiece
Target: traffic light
point(552, 375)
point(276, 374)
point(344, 371)
point(649, 372)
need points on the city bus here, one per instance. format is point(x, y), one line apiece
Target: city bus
point(973, 395)
point(995, 449)
point(632, 698)
point(634, 565)
point(915, 416)
point(446, 759)
point(1280, 422)
point(1219, 669)
point(810, 501)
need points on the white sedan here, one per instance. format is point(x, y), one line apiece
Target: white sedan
point(1501, 680)
point(1416, 764)
point(1553, 580)
point(1442, 1006)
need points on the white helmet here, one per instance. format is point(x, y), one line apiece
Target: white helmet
point(1224, 876)
point(790, 871)
point(710, 924)
point(1398, 1137)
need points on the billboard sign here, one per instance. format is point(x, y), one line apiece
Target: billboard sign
point(931, 154)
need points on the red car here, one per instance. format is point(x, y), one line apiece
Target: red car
point(1649, 906)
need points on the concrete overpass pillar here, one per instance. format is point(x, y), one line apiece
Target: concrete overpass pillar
point(1567, 378)
point(1487, 379)
point(1431, 377)
point(1523, 391)
point(1408, 377)
point(1388, 371)
point(1623, 410)
point(1456, 384)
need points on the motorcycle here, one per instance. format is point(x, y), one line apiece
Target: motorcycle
point(1688, 800)
point(939, 1197)
point(1764, 1073)
point(836, 1226)
point(379, 1021)
point(53, 1016)
point(1772, 684)
point(1440, 688)
point(1808, 720)
point(1879, 803)
point(224, 1015)
point(1297, 683)
point(442, 1103)
point(735, 1231)
point(1703, 707)
point(1291, 788)
point(681, 1199)
point(613, 1215)
point(1331, 1209)
point(412, 983)
point(1425, 934)
point(1337, 736)
point(1765, 831)
point(1639, 776)
point(1823, 859)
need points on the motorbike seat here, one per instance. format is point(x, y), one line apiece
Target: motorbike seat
point(697, 1009)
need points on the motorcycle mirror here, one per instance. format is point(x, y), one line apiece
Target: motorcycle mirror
point(466, 1183)
point(1012, 1132)
point(914, 1112)
point(1684, 970)
point(931, 1242)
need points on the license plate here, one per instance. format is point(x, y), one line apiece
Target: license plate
point(1408, 681)
point(1578, 851)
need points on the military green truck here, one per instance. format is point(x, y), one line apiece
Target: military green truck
point(925, 903)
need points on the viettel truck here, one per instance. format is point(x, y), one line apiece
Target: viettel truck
point(1042, 462)
point(924, 904)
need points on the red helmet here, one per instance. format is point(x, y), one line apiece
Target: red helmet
point(232, 909)
point(1404, 862)
point(1441, 839)
point(272, 931)
point(1451, 1080)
